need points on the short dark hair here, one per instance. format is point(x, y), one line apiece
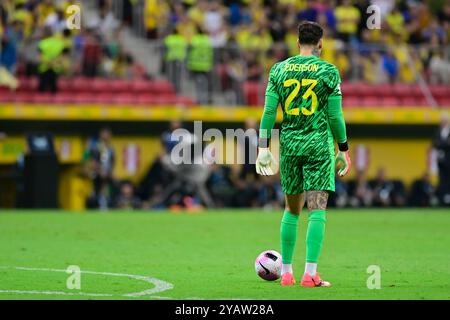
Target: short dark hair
point(309, 33)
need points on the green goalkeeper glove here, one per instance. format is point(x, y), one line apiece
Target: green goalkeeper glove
point(266, 165)
point(343, 162)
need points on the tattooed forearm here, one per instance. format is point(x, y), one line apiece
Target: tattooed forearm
point(317, 200)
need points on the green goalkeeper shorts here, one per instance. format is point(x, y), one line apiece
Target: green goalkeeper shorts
point(300, 173)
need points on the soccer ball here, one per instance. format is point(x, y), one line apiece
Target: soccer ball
point(268, 265)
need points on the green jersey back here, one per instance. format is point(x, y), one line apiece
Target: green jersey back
point(303, 85)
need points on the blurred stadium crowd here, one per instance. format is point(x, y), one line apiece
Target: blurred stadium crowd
point(35, 41)
point(228, 47)
point(263, 32)
point(246, 36)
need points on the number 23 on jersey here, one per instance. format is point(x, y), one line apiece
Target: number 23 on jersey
point(309, 93)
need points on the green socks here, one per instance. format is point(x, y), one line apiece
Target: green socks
point(288, 236)
point(315, 235)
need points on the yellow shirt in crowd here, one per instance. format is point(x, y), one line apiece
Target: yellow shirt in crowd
point(43, 11)
point(67, 4)
point(196, 15)
point(347, 19)
point(154, 12)
point(329, 49)
point(26, 18)
point(298, 4)
point(187, 29)
point(396, 22)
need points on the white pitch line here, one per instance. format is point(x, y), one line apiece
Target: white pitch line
point(161, 298)
point(159, 285)
point(57, 293)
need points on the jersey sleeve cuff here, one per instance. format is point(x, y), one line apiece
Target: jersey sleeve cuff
point(343, 146)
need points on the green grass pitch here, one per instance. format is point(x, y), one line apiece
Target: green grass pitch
point(211, 255)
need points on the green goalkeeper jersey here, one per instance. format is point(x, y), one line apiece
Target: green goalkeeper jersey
point(308, 89)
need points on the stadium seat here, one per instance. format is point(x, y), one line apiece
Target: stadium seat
point(146, 99)
point(440, 91)
point(162, 86)
point(403, 90)
point(409, 101)
point(390, 101)
point(42, 98)
point(64, 85)
point(251, 93)
point(421, 101)
point(103, 98)
point(184, 101)
point(141, 86)
point(364, 87)
point(371, 101)
point(27, 85)
point(351, 101)
point(100, 86)
point(63, 98)
point(83, 98)
point(444, 101)
point(381, 89)
point(119, 85)
point(7, 96)
point(4, 90)
point(25, 97)
point(165, 99)
point(150, 92)
point(347, 87)
point(126, 99)
point(81, 84)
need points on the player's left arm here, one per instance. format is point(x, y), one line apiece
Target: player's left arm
point(337, 125)
point(266, 164)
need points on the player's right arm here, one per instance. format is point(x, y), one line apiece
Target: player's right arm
point(266, 163)
point(337, 125)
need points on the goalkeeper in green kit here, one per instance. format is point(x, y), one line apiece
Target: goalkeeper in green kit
point(308, 90)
